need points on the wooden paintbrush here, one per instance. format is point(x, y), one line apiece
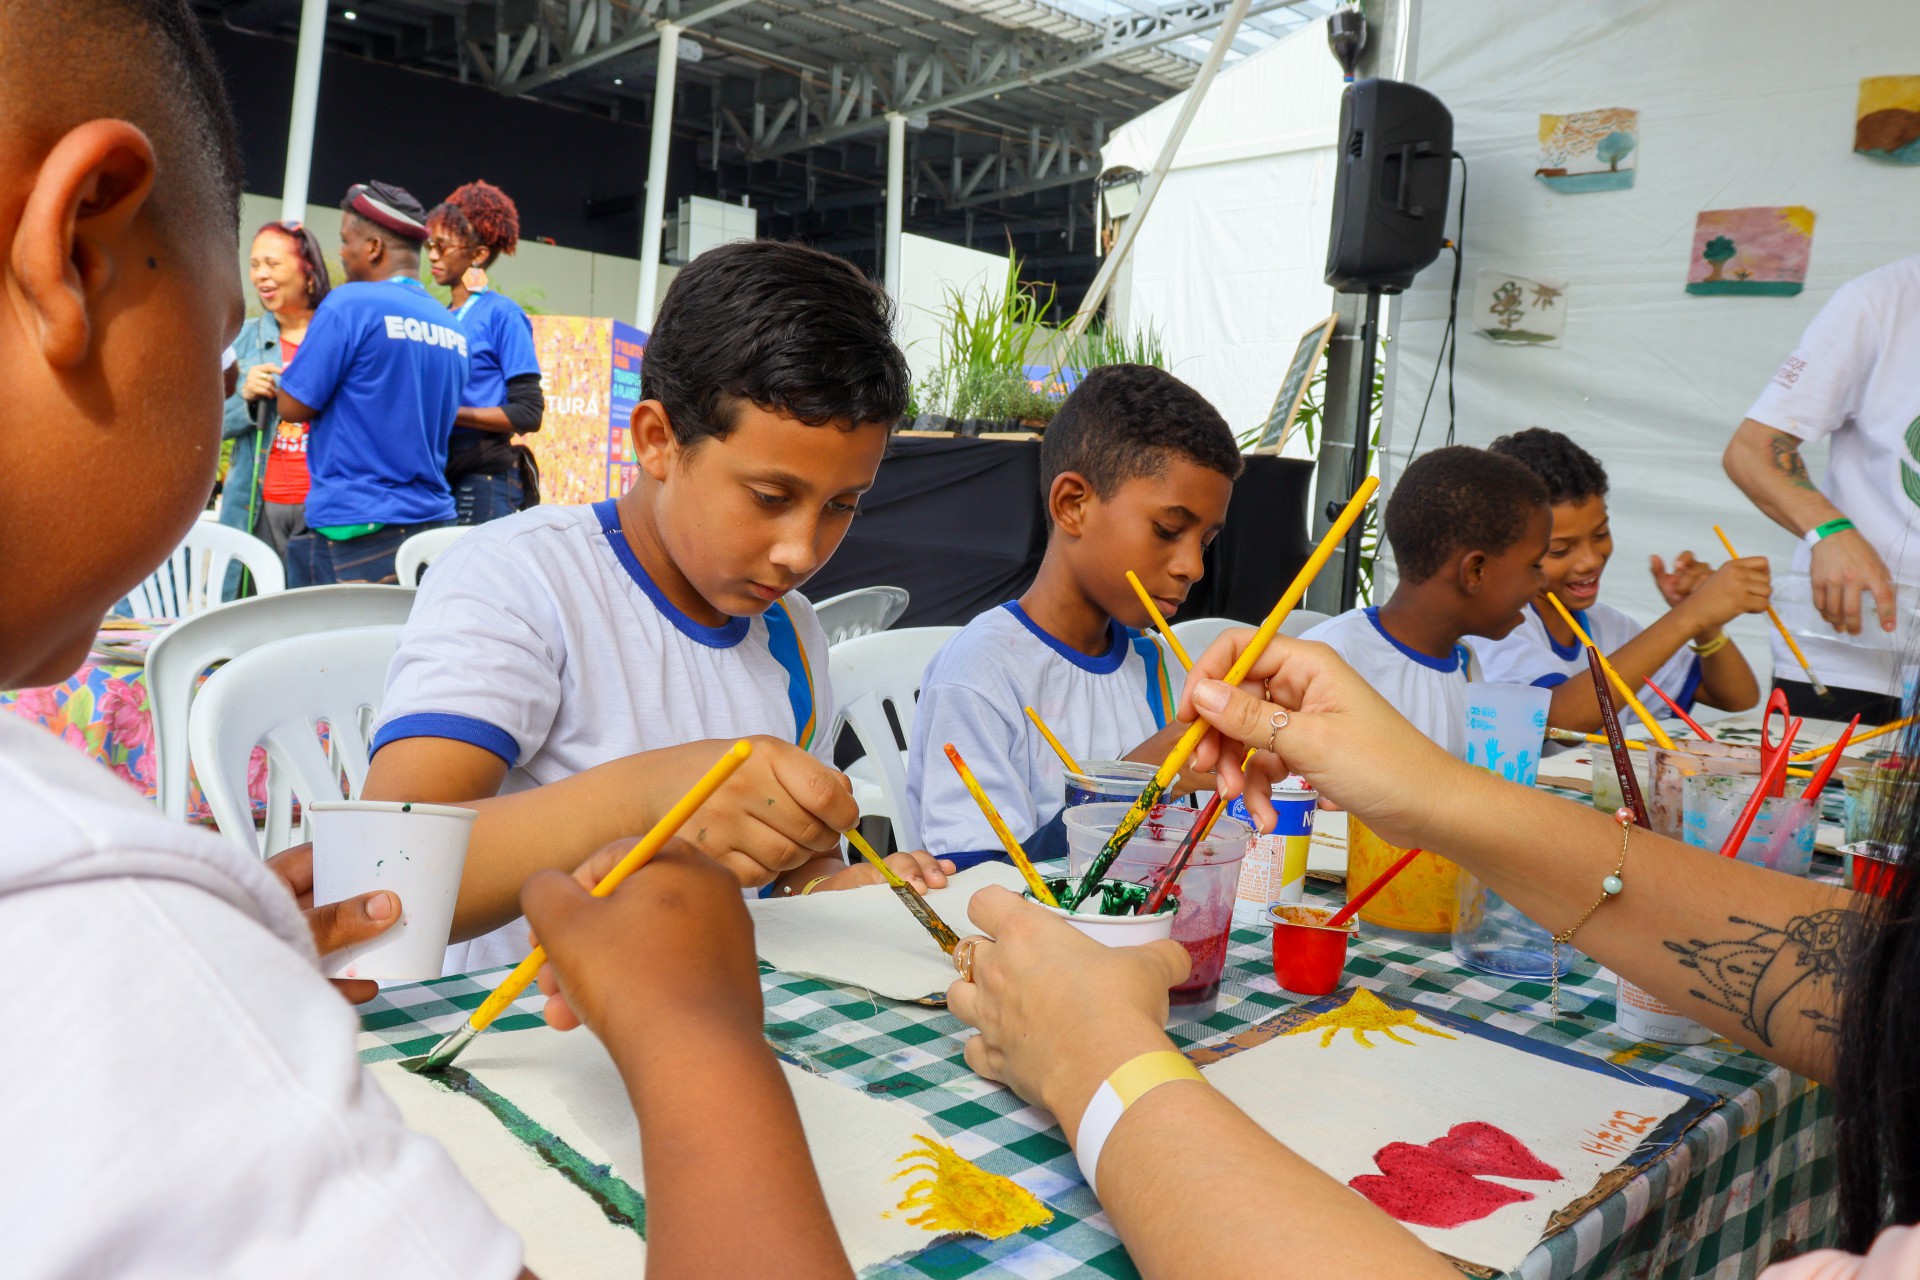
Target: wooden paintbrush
point(1774, 776)
point(1159, 623)
point(1617, 743)
point(1793, 646)
point(1626, 693)
point(642, 853)
point(929, 918)
point(1007, 839)
point(1065, 759)
point(1365, 896)
point(1686, 719)
point(1813, 753)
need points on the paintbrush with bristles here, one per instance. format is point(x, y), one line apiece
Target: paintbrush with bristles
point(922, 910)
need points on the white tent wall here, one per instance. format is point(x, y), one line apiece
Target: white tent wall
point(1741, 102)
point(1228, 265)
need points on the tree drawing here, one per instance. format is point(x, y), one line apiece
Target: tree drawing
point(1507, 307)
point(1718, 252)
point(1614, 148)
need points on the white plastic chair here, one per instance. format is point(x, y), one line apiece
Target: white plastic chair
point(861, 612)
point(189, 581)
point(417, 552)
point(1301, 621)
point(277, 696)
point(1197, 633)
point(186, 649)
point(869, 675)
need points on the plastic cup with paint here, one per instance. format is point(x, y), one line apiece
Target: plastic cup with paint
point(1875, 791)
point(1874, 868)
point(1608, 798)
point(1669, 770)
point(1275, 868)
point(1116, 930)
point(1711, 806)
point(1641, 1015)
point(1205, 889)
point(1506, 725)
point(1418, 906)
point(415, 850)
point(1308, 957)
point(1108, 781)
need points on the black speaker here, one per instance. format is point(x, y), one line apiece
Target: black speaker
point(1394, 167)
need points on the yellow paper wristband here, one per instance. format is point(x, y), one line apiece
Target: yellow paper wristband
point(1131, 1081)
point(1136, 1076)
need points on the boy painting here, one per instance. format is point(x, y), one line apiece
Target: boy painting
point(1137, 469)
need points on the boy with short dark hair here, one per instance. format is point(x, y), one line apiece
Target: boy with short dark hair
point(570, 670)
point(1545, 651)
point(1137, 469)
point(1467, 528)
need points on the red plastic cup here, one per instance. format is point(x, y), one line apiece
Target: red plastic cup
point(1876, 869)
point(1308, 957)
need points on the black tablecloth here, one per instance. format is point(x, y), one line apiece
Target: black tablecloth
point(960, 524)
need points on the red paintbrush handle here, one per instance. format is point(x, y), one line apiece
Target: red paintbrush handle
point(1365, 896)
point(1691, 723)
point(1181, 857)
point(1825, 771)
point(1776, 772)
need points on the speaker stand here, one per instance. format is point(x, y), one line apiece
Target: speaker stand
point(1362, 452)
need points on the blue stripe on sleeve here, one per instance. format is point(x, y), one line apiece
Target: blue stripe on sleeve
point(441, 724)
point(1552, 680)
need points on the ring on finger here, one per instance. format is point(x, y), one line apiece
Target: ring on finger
point(963, 956)
point(1278, 721)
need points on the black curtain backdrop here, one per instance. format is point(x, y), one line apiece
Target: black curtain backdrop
point(959, 523)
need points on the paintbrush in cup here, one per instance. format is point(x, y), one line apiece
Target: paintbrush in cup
point(1202, 826)
point(1813, 753)
point(1626, 692)
point(1686, 719)
point(1007, 839)
point(1774, 776)
point(1065, 759)
point(922, 911)
point(1805, 808)
point(1617, 742)
point(1365, 896)
point(637, 857)
point(1159, 622)
point(1184, 749)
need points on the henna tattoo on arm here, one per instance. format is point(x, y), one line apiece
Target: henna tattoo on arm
point(1785, 451)
point(1752, 975)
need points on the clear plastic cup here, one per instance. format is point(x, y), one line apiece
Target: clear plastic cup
point(1874, 794)
point(1608, 797)
point(1712, 805)
point(1416, 906)
point(1670, 768)
point(1506, 725)
point(1108, 780)
point(416, 850)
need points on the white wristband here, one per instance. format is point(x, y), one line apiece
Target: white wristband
point(1095, 1126)
point(1130, 1082)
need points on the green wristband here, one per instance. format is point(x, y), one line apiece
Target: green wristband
point(1839, 525)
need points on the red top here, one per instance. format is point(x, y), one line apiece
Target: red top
point(286, 475)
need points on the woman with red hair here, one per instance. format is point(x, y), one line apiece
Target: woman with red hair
point(266, 487)
point(488, 472)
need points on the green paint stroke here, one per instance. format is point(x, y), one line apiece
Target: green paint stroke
point(1097, 869)
point(623, 1206)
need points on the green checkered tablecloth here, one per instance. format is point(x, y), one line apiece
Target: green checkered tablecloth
point(1752, 1181)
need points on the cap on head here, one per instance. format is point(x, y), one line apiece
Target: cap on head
point(389, 208)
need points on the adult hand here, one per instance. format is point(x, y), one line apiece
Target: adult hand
point(263, 382)
point(1678, 583)
point(671, 947)
point(1844, 565)
point(780, 809)
point(918, 868)
point(1057, 1011)
point(1737, 587)
point(1323, 721)
point(338, 924)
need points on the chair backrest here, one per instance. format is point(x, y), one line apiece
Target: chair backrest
point(1301, 621)
point(1195, 634)
point(417, 552)
point(871, 674)
point(189, 581)
point(277, 696)
point(184, 651)
point(861, 612)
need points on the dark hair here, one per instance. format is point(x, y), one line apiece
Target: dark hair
point(482, 215)
point(1130, 420)
point(1458, 499)
point(791, 329)
point(1876, 1131)
point(1572, 474)
point(313, 259)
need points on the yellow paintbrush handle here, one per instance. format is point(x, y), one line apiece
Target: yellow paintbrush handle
point(1792, 645)
point(865, 850)
point(1007, 839)
point(1894, 726)
point(642, 853)
point(1646, 717)
point(1159, 622)
point(1054, 742)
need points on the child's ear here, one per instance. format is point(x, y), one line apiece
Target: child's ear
point(1067, 501)
point(1472, 572)
point(652, 437)
point(78, 232)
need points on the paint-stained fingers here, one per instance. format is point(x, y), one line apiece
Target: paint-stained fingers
point(805, 801)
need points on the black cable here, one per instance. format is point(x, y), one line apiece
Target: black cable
point(1449, 336)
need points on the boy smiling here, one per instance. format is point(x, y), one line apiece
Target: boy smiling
point(569, 671)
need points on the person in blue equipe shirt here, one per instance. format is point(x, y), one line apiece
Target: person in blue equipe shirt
point(379, 380)
point(1137, 470)
point(490, 474)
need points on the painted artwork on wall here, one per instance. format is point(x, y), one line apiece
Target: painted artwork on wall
point(1518, 310)
point(1589, 150)
point(1887, 124)
point(1761, 251)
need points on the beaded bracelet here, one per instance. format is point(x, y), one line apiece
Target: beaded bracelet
point(1711, 647)
point(1611, 887)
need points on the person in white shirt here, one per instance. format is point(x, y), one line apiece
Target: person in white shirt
point(570, 671)
point(1852, 381)
point(1686, 652)
point(1138, 469)
point(1468, 529)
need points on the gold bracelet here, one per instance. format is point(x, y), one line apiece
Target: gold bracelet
point(1611, 887)
point(1712, 646)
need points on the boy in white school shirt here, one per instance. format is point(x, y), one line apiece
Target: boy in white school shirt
point(1468, 529)
point(569, 671)
point(182, 1098)
point(1686, 651)
point(1137, 469)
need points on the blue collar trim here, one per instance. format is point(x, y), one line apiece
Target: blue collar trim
point(1106, 664)
point(1446, 666)
point(724, 636)
point(1569, 652)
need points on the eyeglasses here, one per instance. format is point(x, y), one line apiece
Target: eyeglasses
point(445, 246)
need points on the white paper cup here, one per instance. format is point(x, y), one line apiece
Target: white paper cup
point(1641, 1015)
point(415, 850)
point(1118, 931)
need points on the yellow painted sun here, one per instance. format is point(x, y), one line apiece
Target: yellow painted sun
point(1362, 1013)
point(958, 1195)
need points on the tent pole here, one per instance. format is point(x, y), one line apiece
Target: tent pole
point(654, 208)
point(896, 191)
point(306, 107)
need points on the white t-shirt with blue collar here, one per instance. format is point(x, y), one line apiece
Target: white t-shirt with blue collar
point(540, 638)
point(975, 695)
point(1530, 655)
point(1431, 692)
